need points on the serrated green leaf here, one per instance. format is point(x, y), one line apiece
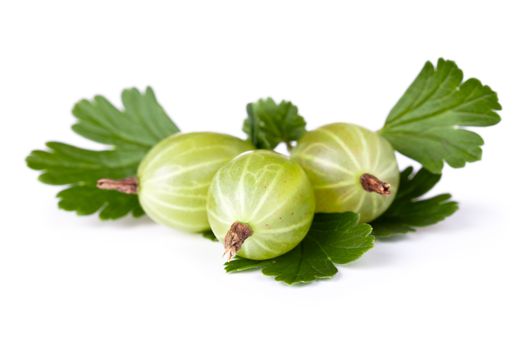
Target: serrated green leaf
point(241, 264)
point(408, 211)
point(426, 123)
point(141, 124)
point(269, 124)
point(130, 133)
point(335, 238)
point(87, 200)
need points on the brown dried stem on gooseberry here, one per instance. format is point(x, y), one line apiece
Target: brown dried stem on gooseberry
point(235, 237)
point(372, 184)
point(128, 185)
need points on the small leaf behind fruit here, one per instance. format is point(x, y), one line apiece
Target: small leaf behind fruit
point(269, 123)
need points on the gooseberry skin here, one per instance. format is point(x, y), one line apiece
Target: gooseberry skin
point(174, 177)
point(335, 156)
point(268, 192)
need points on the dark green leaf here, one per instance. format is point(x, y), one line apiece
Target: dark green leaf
point(335, 238)
point(87, 200)
point(242, 264)
point(426, 123)
point(130, 133)
point(209, 235)
point(269, 124)
point(408, 211)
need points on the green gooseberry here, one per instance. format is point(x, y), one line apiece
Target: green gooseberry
point(351, 169)
point(260, 205)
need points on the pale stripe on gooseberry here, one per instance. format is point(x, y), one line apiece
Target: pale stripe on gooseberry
point(261, 245)
point(375, 203)
point(178, 194)
point(360, 204)
point(173, 206)
point(334, 185)
point(177, 189)
point(366, 155)
point(287, 228)
point(316, 148)
point(219, 218)
point(349, 193)
point(177, 156)
point(341, 144)
point(176, 223)
point(378, 153)
point(264, 197)
point(276, 209)
point(187, 169)
point(228, 207)
point(384, 172)
point(327, 164)
point(240, 186)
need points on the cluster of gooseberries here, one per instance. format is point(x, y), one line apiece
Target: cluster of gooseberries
point(258, 203)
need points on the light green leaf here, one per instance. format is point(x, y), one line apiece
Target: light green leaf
point(427, 122)
point(130, 133)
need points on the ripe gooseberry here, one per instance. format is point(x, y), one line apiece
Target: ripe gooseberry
point(351, 169)
point(260, 205)
point(173, 179)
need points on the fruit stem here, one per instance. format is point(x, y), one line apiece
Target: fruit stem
point(235, 237)
point(372, 184)
point(128, 185)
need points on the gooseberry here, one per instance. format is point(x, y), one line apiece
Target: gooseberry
point(173, 179)
point(260, 205)
point(351, 169)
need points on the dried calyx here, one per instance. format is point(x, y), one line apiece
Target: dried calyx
point(235, 237)
point(128, 185)
point(372, 184)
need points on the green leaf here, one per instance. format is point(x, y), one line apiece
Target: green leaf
point(208, 234)
point(426, 123)
point(87, 200)
point(408, 211)
point(335, 238)
point(130, 133)
point(269, 124)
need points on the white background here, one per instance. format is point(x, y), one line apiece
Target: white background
point(69, 282)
